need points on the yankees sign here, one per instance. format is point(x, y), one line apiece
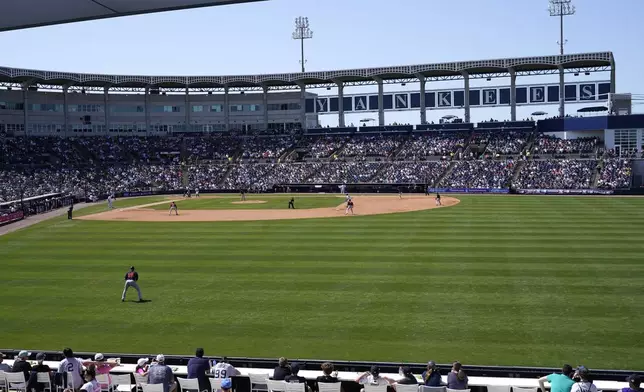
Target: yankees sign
point(543, 94)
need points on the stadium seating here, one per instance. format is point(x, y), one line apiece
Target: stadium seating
point(92, 167)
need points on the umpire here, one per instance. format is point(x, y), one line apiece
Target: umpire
point(70, 211)
point(291, 203)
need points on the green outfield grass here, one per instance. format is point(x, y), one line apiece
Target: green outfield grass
point(495, 280)
point(271, 202)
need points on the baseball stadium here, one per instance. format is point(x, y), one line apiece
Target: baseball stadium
point(142, 215)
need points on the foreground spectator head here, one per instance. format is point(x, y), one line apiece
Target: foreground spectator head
point(226, 384)
point(432, 376)
point(68, 353)
point(282, 362)
point(634, 382)
point(40, 357)
point(142, 365)
point(3, 366)
point(456, 367)
point(327, 368)
point(582, 374)
point(584, 382)
point(375, 371)
point(90, 373)
point(199, 353)
point(160, 358)
point(295, 368)
point(99, 357)
point(567, 370)
point(23, 355)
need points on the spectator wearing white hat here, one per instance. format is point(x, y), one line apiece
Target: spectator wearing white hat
point(160, 373)
point(102, 367)
point(142, 366)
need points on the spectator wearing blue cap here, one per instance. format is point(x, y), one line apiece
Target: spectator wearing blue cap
point(634, 382)
point(559, 382)
point(583, 381)
point(226, 384)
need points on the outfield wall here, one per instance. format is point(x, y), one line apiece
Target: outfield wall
point(393, 188)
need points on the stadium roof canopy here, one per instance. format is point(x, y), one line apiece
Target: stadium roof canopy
point(541, 65)
point(22, 14)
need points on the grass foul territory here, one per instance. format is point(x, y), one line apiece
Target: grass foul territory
point(493, 280)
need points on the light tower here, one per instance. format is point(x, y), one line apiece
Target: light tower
point(302, 32)
point(561, 8)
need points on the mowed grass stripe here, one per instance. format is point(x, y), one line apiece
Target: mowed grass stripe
point(493, 280)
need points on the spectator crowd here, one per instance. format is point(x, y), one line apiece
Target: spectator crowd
point(95, 166)
point(94, 375)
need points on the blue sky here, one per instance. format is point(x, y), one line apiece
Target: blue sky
point(256, 38)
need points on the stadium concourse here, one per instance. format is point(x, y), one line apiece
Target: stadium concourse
point(511, 156)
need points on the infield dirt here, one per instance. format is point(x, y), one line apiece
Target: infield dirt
point(364, 205)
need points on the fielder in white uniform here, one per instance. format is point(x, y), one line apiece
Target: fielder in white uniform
point(109, 202)
point(197, 192)
point(343, 189)
point(131, 279)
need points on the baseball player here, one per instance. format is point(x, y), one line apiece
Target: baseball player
point(349, 207)
point(197, 192)
point(131, 279)
point(438, 199)
point(400, 192)
point(109, 202)
point(243, 195)
point(343, 189)
point(173, 207)
point(291, 203)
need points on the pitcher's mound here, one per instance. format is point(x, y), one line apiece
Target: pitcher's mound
point(249, 202)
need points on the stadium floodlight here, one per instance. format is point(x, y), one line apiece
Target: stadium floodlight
point(302, 32)
point(561, 8)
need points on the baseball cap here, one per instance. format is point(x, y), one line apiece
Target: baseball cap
point(583, 370)
point(295, 367)
point(406, 370)
point(226, 383)
point(160, 358)
point(40, 356)
point(132, 267)
point(634, 379)
point(98, 357)
point(375, 370)
point(141, 361)
point(24, 354)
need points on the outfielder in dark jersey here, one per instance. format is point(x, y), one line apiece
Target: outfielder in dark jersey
point(131, 279)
